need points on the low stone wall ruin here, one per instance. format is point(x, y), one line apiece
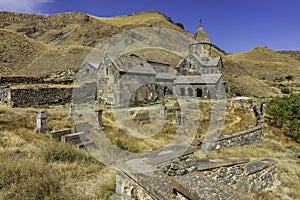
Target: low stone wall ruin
point(36, 96)
point(229, 178)
point(247, 137)
point(26, 97)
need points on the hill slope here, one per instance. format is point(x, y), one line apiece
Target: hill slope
point(80, 29)
point(23, 56)
point(261, 72)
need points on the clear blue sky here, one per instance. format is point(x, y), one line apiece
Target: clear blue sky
point(233, 25)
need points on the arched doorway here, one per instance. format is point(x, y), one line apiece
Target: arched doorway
point(182, 92)
point(165, 91)
point(199, 92)
point(190, 92)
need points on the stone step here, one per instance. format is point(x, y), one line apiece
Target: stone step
point(74, 138)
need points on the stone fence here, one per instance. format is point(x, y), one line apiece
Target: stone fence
point(247, 137)
point(26, 97)
point(43, 95)
point(10, 80)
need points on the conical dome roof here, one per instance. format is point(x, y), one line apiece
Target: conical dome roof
point(201, 35)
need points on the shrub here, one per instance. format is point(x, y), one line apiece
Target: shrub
point(285, 90)
point(289, 77)
point(286, 113)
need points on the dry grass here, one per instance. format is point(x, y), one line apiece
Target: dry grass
point(260, 72)
point(46, 169)
point(280, 148)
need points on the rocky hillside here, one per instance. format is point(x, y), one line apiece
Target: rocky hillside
point(78, 28)
point(30, 43)
point(293, 54)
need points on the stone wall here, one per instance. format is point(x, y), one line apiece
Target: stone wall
point(56, 135)
point(10, 80)
point(236, 172)
point(85, 93)
point(248, 137)
point(26, 97)
point(4, 94)
point(127, 188)
point(39, 95)
point(144, 89)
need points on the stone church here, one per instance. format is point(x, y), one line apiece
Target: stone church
point(133, 79)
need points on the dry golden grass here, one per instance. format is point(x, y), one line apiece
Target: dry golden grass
point(46, 169)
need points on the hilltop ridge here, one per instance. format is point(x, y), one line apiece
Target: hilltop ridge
point(31, 42)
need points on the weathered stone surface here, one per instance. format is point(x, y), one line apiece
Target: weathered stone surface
point(196, 186)
point(56, 135)
point(74, 138)
point(248, 137)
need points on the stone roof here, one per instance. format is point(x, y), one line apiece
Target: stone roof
point(203, 79)
point(132, 64)
point(165, 76)
point(94, 64)
point(201, 35)
point(208, 61)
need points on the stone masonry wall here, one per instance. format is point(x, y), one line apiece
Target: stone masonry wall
point(233, 171)
point(245, 177)
point(248, 137)
point(130, 189)
point(26, 97)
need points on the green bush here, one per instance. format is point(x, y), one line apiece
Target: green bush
point(285, 90)
point(286, 113)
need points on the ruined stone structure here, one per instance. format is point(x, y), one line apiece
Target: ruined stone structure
point(39, 95)
point(189, 178)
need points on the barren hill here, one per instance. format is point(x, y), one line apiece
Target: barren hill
point(80, 29)
point(261, 72)
point(23, 56)
point(31, 43)
point(293, 54)
point(37, 45)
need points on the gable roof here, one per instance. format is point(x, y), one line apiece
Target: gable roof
point(132, 64)
point(165, 76)
point(209, 62)
point(203, 79)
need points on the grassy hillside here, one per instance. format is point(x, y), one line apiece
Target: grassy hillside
point(66, 38)
point(23, 56)
point(78, 28)
point(60, 171)
point(261, 72)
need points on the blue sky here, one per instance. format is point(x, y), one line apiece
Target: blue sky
point(233, 25)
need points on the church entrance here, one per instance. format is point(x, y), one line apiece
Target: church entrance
point(199, 92)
